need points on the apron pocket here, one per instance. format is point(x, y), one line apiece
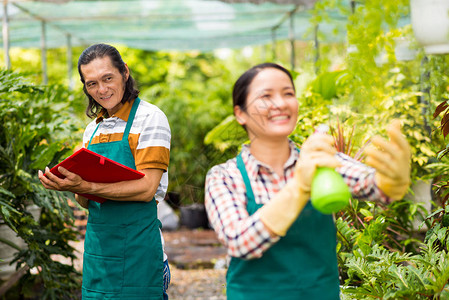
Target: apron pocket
point(102, 274)
point(144, 259)
point(103, 264)
point(105, 240)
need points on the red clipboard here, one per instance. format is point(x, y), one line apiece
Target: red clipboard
point(94, 167)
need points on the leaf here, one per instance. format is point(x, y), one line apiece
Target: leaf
point(440, 108)
point(45, 156)
point(327, 84)
point(229, 132)
point(445, 125)
point(7, 209)
point(366, 212)
point(6, 192)
point(442, 153)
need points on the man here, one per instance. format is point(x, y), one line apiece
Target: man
point(123, 250)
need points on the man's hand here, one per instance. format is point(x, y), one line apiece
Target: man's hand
point(72, 182)
point(391, 159)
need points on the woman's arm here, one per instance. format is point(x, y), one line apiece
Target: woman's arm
point(360, 179)
point(244, 235)
point(248, 236)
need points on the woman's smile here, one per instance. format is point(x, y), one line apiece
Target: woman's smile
point(272, 111)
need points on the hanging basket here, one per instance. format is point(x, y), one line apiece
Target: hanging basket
point(430, 22)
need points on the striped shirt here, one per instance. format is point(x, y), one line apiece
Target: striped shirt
point(149, 137)
point(225, 198)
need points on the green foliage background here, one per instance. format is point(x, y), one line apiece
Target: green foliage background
point(381, 252)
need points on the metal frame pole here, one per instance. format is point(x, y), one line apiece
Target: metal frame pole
point(5, 33)
point(291, 33)
point(69, 62)
point(44, 53)
point(317, 48)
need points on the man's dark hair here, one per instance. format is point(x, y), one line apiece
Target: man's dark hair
point(100, 51)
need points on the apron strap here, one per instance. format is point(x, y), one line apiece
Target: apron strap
point(131, 116)
point(251, 205)
point(90, 141)
point(242, 169)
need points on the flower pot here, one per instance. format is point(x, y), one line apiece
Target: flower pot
point(167, 216)
point(403, 50)
point(430, 22)
point(421, 193)
point(173, 199)
point(194, 216)
point(7, 252)
point(381, 58)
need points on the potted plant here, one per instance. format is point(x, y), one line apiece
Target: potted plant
point(194, 216)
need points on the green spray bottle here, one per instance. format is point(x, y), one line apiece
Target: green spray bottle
point(329, 193)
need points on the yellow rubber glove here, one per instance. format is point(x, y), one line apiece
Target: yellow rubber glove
point(284, 208)
point(391, 159)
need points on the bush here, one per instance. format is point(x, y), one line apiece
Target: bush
point(37, 130)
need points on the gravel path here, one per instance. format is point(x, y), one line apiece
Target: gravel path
point(206, 284)
point(193, 256)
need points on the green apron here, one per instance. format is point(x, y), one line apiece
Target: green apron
point(301, 265)
point(123, 256)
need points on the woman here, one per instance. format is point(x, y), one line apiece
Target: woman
point(258, 203)
point(123, 249)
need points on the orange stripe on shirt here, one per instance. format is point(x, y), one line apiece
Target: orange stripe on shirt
point(156, 157)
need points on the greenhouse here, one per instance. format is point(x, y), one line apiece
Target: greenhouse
point(230, 194)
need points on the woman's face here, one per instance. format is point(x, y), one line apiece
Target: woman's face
point(105, 83)
point(271, 106)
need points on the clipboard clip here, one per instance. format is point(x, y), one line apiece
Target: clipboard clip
point(102, 160)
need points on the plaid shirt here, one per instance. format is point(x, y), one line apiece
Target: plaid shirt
point(246, 236)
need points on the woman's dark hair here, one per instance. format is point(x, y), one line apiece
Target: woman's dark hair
point(240, 91)
point(100, 51)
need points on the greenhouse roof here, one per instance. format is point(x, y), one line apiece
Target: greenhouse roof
point(163, 24)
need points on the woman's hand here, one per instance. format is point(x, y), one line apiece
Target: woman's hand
point(72, 182)
point(317, 151)
point(283, 209)
point(391, 159)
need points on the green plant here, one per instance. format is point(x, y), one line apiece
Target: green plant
point(365, 224)
point(382, 274)
point(193, 90)
point(377, 271)
point(226, 135)
point(438, 83)
point(36, 132)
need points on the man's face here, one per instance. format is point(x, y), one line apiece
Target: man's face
point(104, 83)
